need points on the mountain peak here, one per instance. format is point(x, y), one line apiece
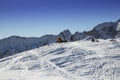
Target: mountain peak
point(66, 31)
point(18, 44)
point(118, 20)
point(15, 37)
point(65, 35)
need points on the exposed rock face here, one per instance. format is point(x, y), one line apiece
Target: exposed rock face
point(79, 36)
point(106, 30)
point(65, 35)
point(76, 36)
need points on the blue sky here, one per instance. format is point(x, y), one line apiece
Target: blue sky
point(39, 17)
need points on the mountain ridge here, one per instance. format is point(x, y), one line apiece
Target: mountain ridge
point(15, 44)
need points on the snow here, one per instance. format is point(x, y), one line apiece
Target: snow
point(22, 44)
point(79, 60)
point(19, 75)
point(104, 30)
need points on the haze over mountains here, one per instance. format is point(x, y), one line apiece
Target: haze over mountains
point(15, 44)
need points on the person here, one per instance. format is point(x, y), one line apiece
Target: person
point(97, 40)
point(93, 40)
point(72, 38)
point(59, 40)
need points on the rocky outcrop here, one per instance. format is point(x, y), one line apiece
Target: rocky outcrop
point(65, 35)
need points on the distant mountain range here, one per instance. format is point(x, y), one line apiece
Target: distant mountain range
point(15, 44)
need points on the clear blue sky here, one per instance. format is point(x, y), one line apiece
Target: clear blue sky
point(40, 17)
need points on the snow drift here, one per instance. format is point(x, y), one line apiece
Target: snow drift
point(80, 60)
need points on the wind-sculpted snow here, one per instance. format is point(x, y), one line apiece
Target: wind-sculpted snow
point(80, 60)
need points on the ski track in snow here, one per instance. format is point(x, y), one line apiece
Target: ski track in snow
point(80, 60)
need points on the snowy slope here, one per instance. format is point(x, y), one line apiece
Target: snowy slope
point(16, 44)
point(80, 60)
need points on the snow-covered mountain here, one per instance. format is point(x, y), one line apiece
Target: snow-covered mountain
point(65, 35)
point(79, 60)
point(105, 30)
point(79, 36)
point(16, 44)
